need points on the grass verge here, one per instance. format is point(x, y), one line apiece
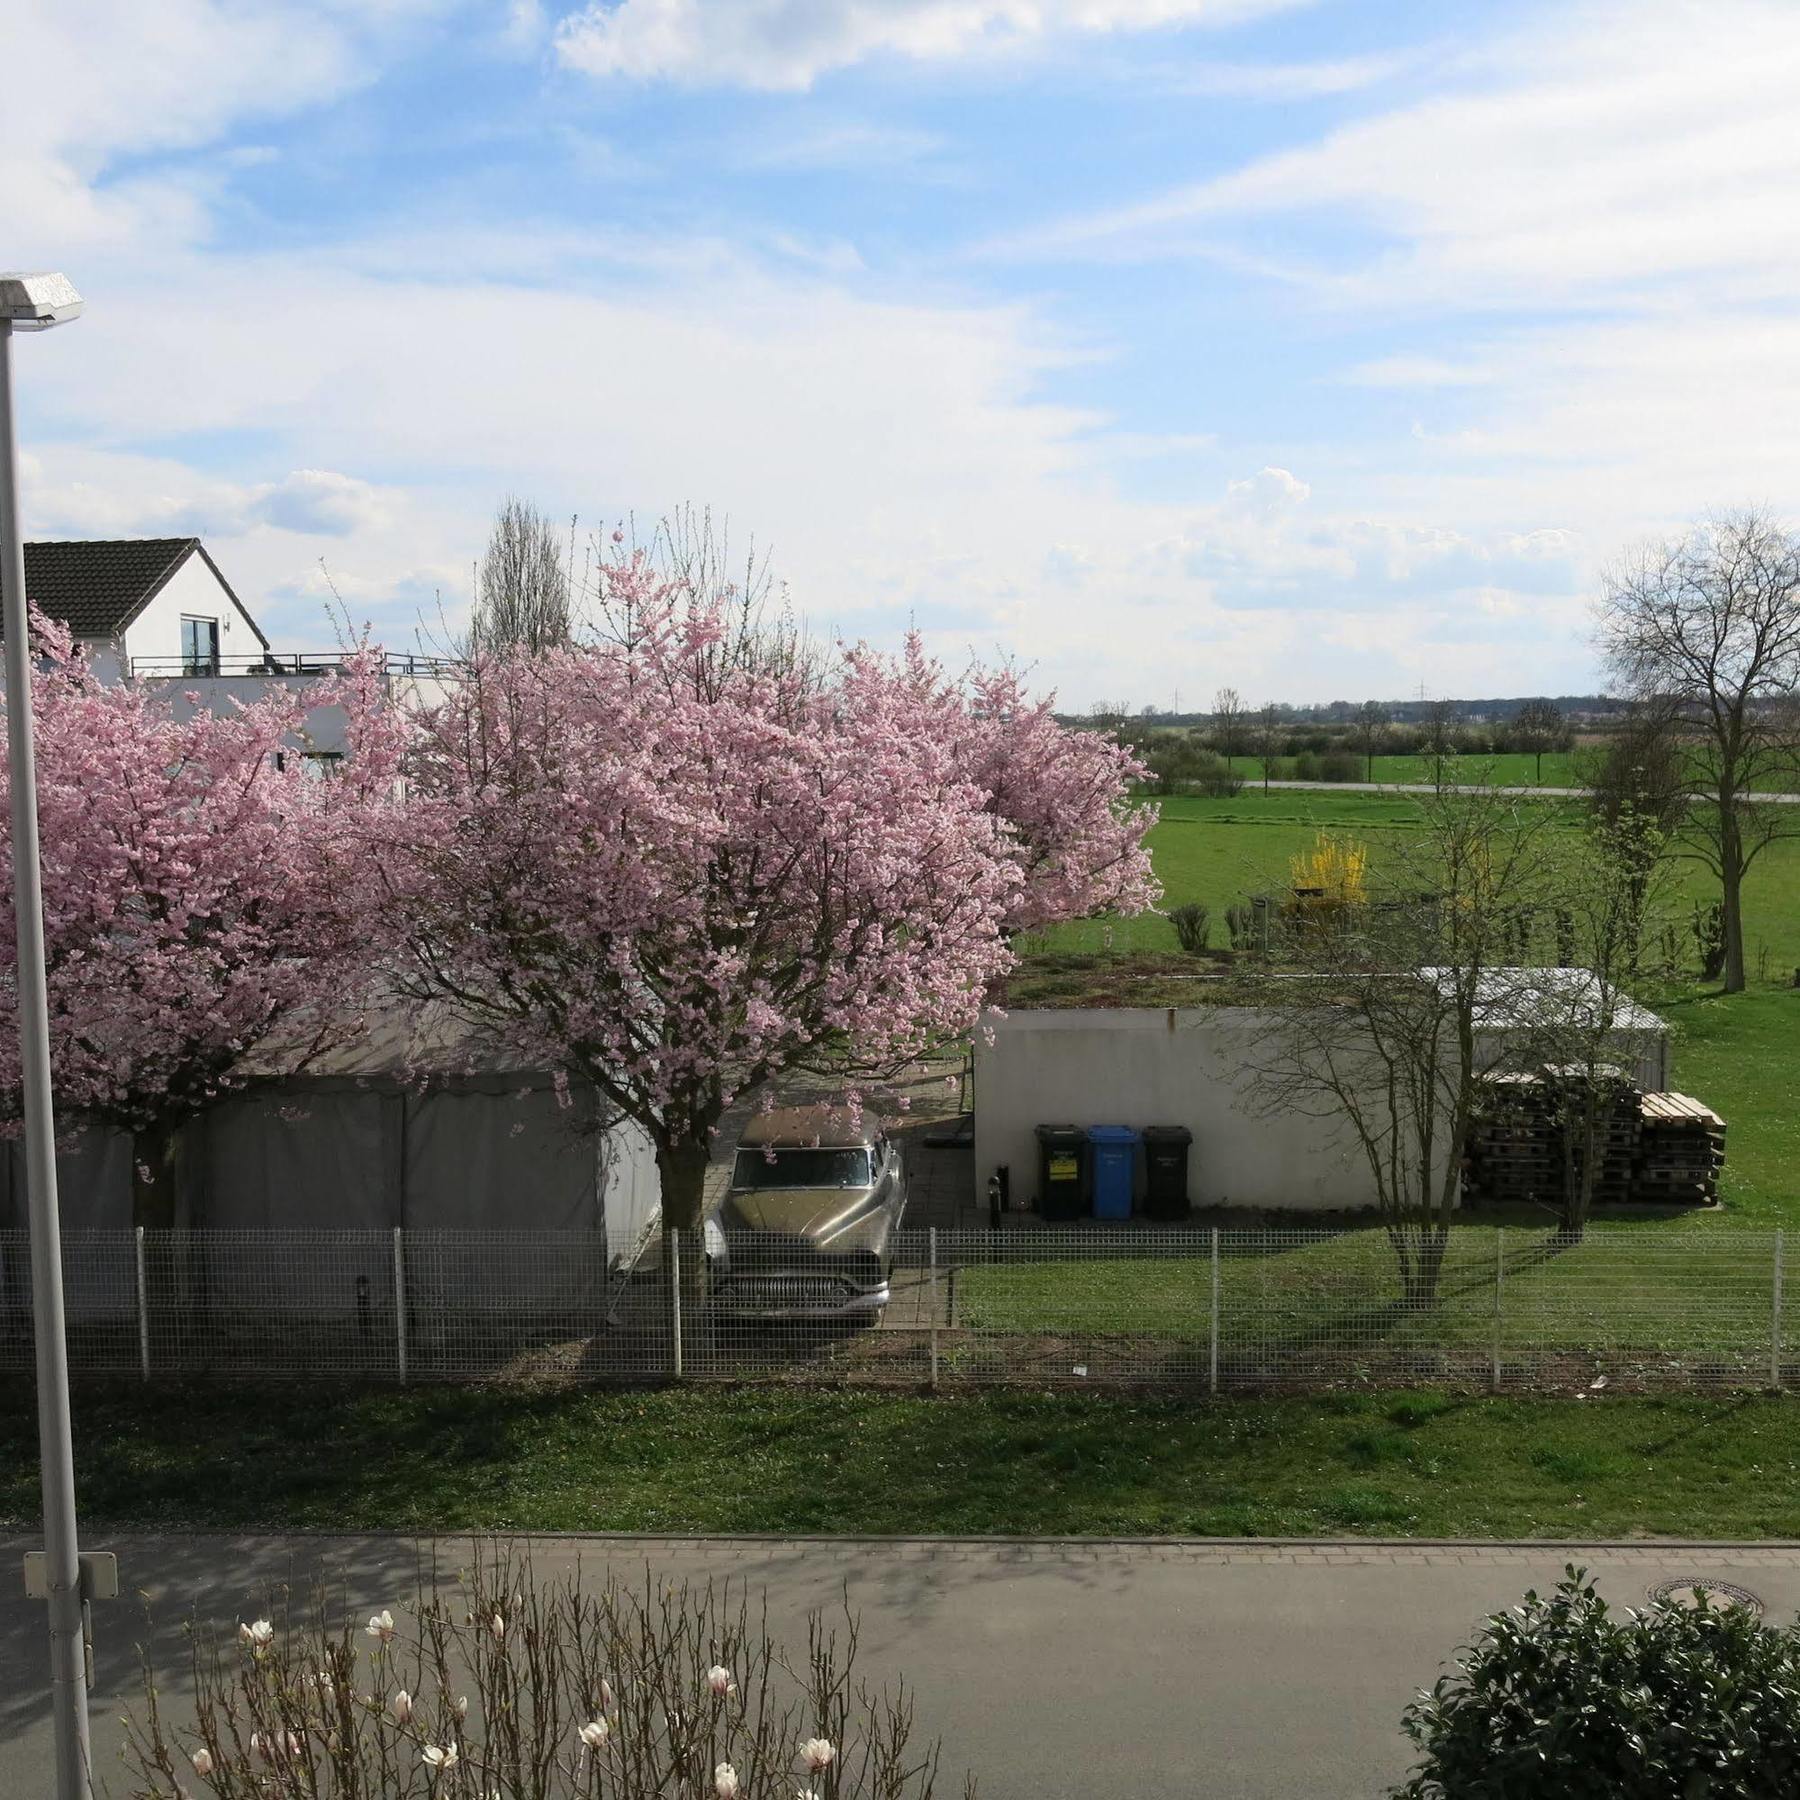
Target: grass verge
point(774, 1460)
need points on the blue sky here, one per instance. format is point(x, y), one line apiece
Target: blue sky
point(1322, 349)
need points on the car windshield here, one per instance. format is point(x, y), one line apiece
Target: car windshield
point(801, 1169)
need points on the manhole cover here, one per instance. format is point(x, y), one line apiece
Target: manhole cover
point(1718, 1593)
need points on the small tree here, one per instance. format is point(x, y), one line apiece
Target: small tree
point(1638, 794)
point(1383, 1033)
point(1371, 721)
point(1580, 1032)
point(1268, 739)
point(1562, 1697)
point(1707, 627)
point(522, 591)
point(1540, 726)
point(1442, 725)
point(1228, 719)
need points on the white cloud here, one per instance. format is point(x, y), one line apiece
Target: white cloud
point(1609, 149)
point(93, 82)
point(789, 44)
point(1286, 81)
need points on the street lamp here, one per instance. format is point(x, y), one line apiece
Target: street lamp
point(35, 303)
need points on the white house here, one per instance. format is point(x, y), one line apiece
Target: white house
point(144, 606)
point(158, 610)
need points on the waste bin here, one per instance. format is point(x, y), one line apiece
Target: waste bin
point(1112, 1155)
point(1165, 1171)
point(1062, 1168)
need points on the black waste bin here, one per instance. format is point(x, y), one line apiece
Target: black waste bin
point(1165, 1165)
point(1062, 1171)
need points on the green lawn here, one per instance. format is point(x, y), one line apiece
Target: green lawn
point(784, 1460)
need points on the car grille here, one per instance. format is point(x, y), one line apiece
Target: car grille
point(787, 1290)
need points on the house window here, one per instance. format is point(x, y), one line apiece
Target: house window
point(199, 646)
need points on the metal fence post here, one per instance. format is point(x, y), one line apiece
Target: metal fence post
point(933, 1303)
point(400, 1301)
point(1499, 1289)
point(673, 1240)
point(1775, 1319)
point(143, 1309)
point(1212, 1355)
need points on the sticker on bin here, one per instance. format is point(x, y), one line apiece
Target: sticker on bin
point(1064, 1168)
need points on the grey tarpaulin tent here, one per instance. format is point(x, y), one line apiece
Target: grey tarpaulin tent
point(411, 1123)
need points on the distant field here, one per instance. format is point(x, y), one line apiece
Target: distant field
point(1221, 851)
point(1560, 769)
point(1570, 768)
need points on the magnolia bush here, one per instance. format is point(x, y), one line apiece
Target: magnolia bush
point(494, 1687)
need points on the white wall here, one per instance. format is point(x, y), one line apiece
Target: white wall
point(1138, 1067)
point(196, 591)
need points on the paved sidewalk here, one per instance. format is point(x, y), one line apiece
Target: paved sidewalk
point(1094, 1669)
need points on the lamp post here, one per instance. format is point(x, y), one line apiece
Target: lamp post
point(35, 303)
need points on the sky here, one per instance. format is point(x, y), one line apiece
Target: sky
point(1322, 350)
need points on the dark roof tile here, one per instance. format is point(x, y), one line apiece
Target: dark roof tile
point(95, 585)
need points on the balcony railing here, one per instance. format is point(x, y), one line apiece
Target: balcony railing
point(277, 663)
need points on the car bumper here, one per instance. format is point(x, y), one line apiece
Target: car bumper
point(795, 1297)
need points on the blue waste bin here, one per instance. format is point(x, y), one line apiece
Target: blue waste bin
point(1112, 1158)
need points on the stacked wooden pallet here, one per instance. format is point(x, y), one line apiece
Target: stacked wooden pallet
point(1516, 1142)
point(1652, 1148)
point(1681, 1149)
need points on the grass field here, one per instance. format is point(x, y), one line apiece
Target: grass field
point(775, 1460)
point(1221, 851)
point(1561, 769)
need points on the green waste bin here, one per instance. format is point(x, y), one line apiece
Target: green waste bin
point(1062, 1171)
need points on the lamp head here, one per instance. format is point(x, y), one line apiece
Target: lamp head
point(36, 302)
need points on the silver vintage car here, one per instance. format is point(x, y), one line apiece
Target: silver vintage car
point(806, 1230)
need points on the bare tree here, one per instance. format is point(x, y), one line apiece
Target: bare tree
point(1371, 716)
point(1385, 1030)
point(1637, 789)
point(1442, 718)
point(1708, 625)
point(1540, 726)
point(522, 589)
point(1228, 714)
point(1268, 738)
point(1580, 1033)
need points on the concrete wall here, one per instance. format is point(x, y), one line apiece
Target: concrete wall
point(1137, 1066)
point(1140, 1066)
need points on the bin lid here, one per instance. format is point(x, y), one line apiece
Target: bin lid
point(1112, 1134)
point(1060, 1134)
point(1167, 1134)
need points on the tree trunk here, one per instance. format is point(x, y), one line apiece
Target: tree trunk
point(682, 1170)
point(155, 1177)
point(156, 1173)
point(1731, 869)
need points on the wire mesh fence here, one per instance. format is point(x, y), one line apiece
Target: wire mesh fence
point(1197, 1309)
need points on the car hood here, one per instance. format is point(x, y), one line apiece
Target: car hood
point(816, 1213)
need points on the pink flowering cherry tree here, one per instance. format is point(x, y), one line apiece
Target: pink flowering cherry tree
point(1061, 794)
point(199, 904)
point(692, 855)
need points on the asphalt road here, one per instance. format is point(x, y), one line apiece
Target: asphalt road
point(1094, 1669)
